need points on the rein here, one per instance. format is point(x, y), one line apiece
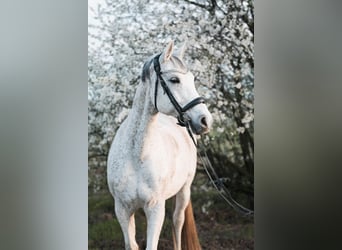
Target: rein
point(182, 120)
point(220, 187)
point(185, 122)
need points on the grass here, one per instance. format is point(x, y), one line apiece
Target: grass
point(219, 227)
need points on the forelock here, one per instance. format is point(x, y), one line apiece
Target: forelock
point(178, 64)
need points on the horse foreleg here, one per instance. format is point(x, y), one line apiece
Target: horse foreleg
point(182, 200)
point(155, 213)
point(127, 223)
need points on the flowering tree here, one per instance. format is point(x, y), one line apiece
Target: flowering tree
point(220, 39)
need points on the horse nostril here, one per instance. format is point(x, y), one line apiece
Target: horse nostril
point(204, 122)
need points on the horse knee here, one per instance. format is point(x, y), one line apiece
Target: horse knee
point(178, 217)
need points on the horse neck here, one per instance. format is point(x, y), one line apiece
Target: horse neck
point(141, 116)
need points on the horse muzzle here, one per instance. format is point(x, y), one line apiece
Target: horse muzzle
point(202, 124)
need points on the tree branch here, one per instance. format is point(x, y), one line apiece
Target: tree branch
point(197, 4)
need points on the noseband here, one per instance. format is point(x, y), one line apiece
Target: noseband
point(182, 121)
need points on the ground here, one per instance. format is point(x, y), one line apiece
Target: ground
point(219, 226)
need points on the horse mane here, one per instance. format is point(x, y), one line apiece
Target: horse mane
point(146, 71)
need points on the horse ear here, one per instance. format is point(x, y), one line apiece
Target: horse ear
point(168, 51)
point(180, 52)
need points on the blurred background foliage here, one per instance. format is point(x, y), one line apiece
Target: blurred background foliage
point(220, 40)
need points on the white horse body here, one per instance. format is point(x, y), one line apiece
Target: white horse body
point(160, 166)
point(152, 159)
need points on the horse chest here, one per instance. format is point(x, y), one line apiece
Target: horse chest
point(165, 165)
point(157, 168)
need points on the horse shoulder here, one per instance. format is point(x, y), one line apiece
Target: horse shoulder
point(119, 167)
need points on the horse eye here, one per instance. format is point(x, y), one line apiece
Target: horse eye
point(174, 80)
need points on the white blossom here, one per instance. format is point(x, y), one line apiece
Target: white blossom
point(123, 34)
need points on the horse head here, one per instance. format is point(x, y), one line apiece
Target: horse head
point(177, 95)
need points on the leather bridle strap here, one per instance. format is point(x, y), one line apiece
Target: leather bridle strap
point(180, 110)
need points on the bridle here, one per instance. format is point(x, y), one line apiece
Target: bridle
point(186, 122)
point(182, 119)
